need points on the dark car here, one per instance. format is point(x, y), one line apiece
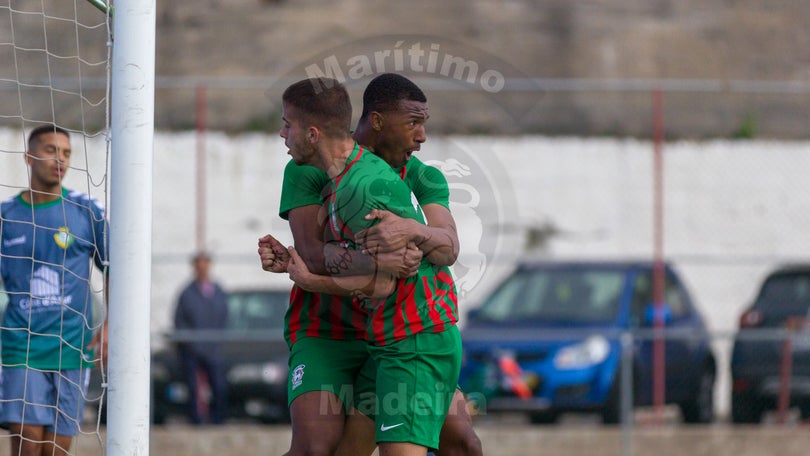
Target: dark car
point(759, 355)
point(256, 361)
point(548, 341)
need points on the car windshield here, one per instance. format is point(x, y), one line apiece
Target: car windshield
point(257, 309)
point(575, 295)
point(782, 296)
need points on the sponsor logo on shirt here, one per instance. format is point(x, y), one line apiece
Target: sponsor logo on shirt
point(46, 291)
point(14, 241)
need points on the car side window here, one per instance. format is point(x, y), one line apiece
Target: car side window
point(257, 313)
point(785, 294)
point(674, 298)
point(257, 310)
point(642, 297)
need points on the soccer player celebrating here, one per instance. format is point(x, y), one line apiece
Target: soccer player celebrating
point(393, 125)
point(379, 190)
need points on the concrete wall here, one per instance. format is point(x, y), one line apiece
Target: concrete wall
point(247, 51)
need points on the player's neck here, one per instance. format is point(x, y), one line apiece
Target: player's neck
point(334, 155)
point(364, 135)
point(39, 195)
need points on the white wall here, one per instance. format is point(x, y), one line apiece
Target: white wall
point(733, 209)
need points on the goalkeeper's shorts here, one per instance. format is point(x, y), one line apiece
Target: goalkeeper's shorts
point(52, 399)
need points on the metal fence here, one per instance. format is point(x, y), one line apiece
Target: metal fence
point(692, 108)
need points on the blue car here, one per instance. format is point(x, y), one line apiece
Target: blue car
point(548, 340)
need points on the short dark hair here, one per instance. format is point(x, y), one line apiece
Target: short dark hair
point(322, 102)
point(385, 92)
point(42, 130)
point(201, 255)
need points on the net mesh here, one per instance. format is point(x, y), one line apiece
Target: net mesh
point(56, 64)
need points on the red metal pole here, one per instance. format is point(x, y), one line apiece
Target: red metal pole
point(200, 121)
point(659, 354)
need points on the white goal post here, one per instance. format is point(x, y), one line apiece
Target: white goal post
point(132, 131)
point(86, 67)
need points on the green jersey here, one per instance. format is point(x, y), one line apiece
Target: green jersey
point(424, 302)
point(426, 182)
point(315, 314)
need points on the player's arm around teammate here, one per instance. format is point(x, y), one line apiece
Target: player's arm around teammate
point(438, 240)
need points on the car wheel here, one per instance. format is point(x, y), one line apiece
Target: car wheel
point(700, 408)
point(746, 409)
point(547, 417)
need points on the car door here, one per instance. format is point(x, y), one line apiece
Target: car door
point(685, 340)
point(679, 348)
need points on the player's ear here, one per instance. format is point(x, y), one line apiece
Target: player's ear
point(28, 157)
point(376, 121)
point(313, 134)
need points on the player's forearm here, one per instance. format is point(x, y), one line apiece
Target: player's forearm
point(340, 261)
point(372, 286)
point(438, 244)
point(334, 260)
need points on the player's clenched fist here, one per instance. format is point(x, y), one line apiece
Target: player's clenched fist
point(274, 256)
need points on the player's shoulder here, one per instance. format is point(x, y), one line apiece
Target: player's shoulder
point(425, 171)
point(373, 163)
point(83, 199)
point(9, 203)
point(417, 164)
point(292, 171)
point(9, 200)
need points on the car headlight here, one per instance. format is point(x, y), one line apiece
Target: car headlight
point(266, 373)
point(589, 352)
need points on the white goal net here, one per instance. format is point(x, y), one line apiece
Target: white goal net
point(56, 60)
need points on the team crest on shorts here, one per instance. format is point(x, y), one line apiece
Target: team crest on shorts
point(298, 376)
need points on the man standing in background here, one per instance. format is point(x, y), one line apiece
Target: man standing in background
point(203, 305)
